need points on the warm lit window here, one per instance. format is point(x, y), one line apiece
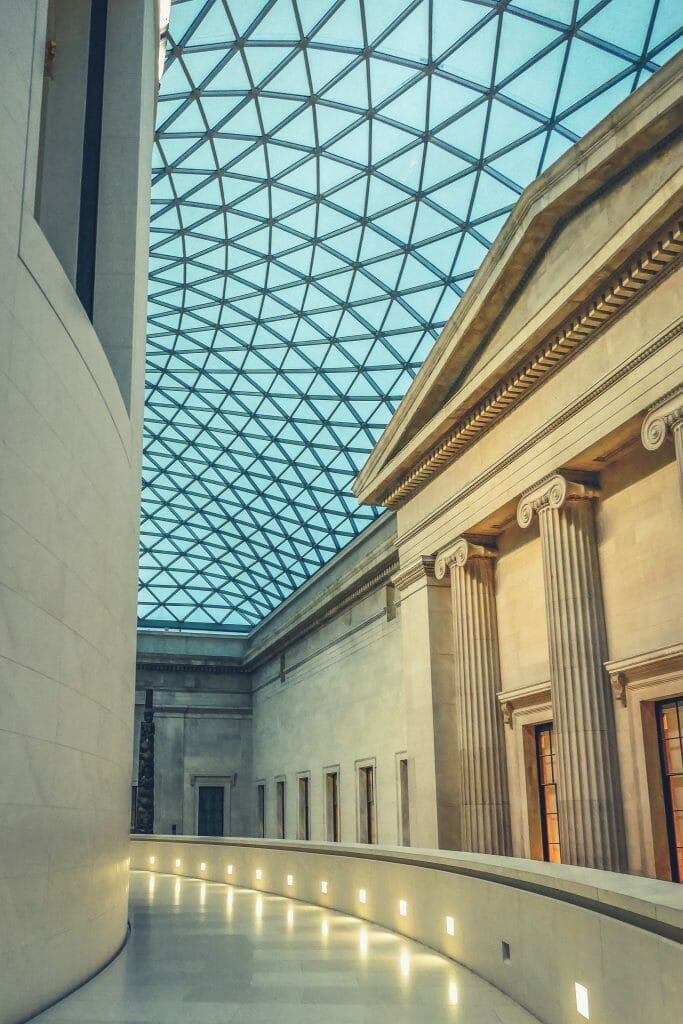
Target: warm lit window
point(547, 792)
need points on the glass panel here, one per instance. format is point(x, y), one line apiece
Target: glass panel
point(268, 379)
point(547, 794)
point(673, 753)
point(669, 719)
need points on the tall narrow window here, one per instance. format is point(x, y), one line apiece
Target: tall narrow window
point(367, 821)
point(304, 825)
point(403, 802)
point(67, 185)
point(670, 727)
point(547, 792)
point(133, 806)
point(333, 831)
point(260, 810)
point(280, 807)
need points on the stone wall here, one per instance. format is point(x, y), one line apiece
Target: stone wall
point(69, 483)
point(341, 702)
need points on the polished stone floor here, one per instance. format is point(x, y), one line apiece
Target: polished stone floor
point(204, 953)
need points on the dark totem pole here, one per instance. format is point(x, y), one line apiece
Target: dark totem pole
point(144, 814)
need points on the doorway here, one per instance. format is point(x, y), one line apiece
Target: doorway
point(210, 800)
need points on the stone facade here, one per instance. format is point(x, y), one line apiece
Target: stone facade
point(71, 389)
point(558, 445)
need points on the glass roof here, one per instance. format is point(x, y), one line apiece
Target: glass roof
point(327, 177)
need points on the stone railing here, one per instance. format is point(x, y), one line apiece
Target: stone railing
point(567, 943)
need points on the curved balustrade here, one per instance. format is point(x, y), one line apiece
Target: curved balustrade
point(567, 943)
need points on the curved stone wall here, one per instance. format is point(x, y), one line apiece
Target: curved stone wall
point(69, 483)
point(568, 944)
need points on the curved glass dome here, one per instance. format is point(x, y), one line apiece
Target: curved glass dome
point(327, 178)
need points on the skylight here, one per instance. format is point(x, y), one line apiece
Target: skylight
point(327, 178)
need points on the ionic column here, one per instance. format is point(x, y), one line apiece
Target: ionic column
point(666, 418)
point(483, 775)
point(589, 793)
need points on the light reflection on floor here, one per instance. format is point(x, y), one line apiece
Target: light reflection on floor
point(208, 953)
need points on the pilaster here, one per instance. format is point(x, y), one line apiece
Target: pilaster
point(481, 744)
point(427, 640)
point(589, 792)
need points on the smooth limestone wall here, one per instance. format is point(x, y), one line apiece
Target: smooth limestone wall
point(341, 703)
point(69, 479)
point(617, 937)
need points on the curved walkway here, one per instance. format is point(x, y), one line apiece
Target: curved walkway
point(207, 953)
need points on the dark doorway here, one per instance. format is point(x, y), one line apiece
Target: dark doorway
point(210, 811)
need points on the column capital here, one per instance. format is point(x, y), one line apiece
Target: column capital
point(553, 492)
point(662, 418)
point(420, 568)
point(460, 552)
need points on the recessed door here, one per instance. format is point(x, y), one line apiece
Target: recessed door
point(210, 811)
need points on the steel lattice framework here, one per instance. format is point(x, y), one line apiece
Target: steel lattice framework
point(327, 178)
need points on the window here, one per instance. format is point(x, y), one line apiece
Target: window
point(68, 174)
point(403, 802)
point(670, 730)
point(133, 806)
point(261, 810)
point(280, 807)
point(332, 827)
point(547, 792)
point(304, 823)
point(367, 817)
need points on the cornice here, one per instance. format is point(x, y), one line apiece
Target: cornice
point(627, 138)
point(420, 569)
point(640, 272)
point(643, 669)
point(552, 424)
point(660, 659)
point(378, 576)
point(190, 665)
point(523, 699)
